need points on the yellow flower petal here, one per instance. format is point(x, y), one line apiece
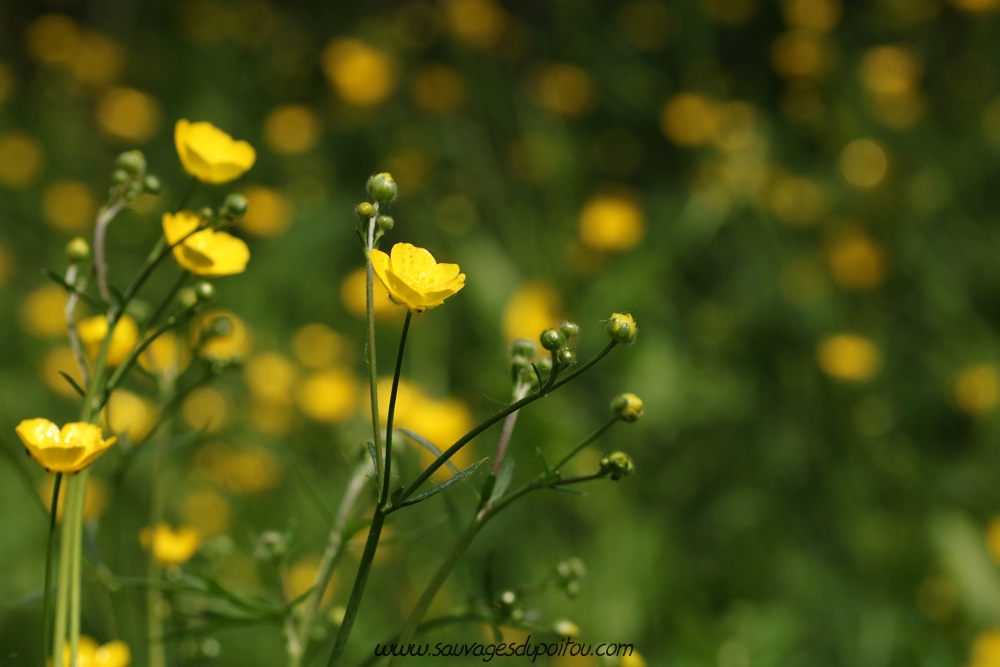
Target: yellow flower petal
point(68, 450)
point(207, 252)
point(414, 279)
point(211, 155)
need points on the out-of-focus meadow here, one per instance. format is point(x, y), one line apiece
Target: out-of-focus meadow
point(796, 200)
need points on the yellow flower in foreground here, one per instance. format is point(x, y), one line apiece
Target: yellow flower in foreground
point(414, 279)
point(93, 330)
point(70, 449)
point(211, 155)
point(205, 253)
point(169, 546)
point(112, 654)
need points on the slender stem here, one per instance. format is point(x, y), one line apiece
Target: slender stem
point(74, 515)
point(511, 408)
point(49, 554)
point(72, 299)
point(298, 638)
point(593, 436)
point(104, 217)
point(384, 496)
point(62, 586)
point(154, 596)
point(181, 279)
point(372, 370)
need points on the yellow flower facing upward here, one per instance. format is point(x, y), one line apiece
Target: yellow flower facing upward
point(169, 546)
point(211, 155)
point(69, 449)
point(414, 279)
point(207, 252)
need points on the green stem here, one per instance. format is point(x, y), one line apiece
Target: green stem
point(372, 371)
point(378, 518)
point(593, 436)
point(74, 515)
point(509, 409)
point(49, 554)
point(62, 585)
point(154, 597)
point(166, 300)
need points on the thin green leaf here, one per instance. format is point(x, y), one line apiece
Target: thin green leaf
point(374, 456)
point(504, 476)
point(444, 485)
point(428, 445)
point(73, 383)
point(566, 489)
point(72, 289)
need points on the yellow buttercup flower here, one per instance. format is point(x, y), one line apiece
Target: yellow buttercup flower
point(205, 253)
point(211, 155)
point(94, 329)
point(414, 279)
point(169, 546)
point(70, 449)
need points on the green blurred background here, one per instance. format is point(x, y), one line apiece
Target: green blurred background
point(795, 199)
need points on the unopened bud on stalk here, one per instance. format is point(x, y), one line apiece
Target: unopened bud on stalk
point(365, 210)
point(132, 162)
point(385, 222)
point(120, 176)
point(151, 184)
point(235, 205)
point(78, 250)
point(619, 464)
point(187, 298)
point(566, 356)
point(621, 328)
point(382, 187)
point(522, 347)
point(627, 407)
point(552, 339)
point(206, 213)
point(569, 329)
point(204, 291)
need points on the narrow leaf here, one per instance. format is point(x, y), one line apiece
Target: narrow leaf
point(374, 455)
point(444, 485)
point(74, 384)
point(504, 476)
point(429, 446)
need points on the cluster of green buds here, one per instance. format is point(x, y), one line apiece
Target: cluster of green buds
point(622, 329)
point(568, 574)
point(382, 189)
point(617, 465)
point(234, 207)
point(129, 179)
point(556, 341)
point(507, 608)
point(522, 354)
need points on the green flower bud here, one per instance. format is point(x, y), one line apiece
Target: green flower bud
point(152, 185)
point(132, 162)
point(569, 329)
point(365, 210)
point(235, 205)
point(522, 347)
point(382, 187)
point(385, 222)
point(566, 356)
point(119, 176)
point(621, 328)
point(618, 464)
point(627, 407)
point(187, 297)
point(78, 250)
point(204, 291)
point(552, 339)
point(271, 545)
point(206, 213)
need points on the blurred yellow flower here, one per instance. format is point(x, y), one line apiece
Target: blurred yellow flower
point(437, 89)
point(729, 12)
point(57, 361)
point(301, 578)
point(211, 155)
point(112, 654)
point(207, 511)
point(7, 81)
point(890, 70)
point(271, 377)
point(97, 59)
point(863, 163)
point(43, 312)
point(815, 15)
point(414, 279)
point(361, 74)
point(316, 345)
point(633, 659)
point(129, 415)
point(171, 547)
point(800, 54)
point(477, 23)
point(532, 309)
point(52, 38)
point(268, 212)
point(94, 329)
point(207, 252)
point(353, 296)
point(21, 160)
point(205, 409)
point(271, 418)
point(95, 500)
point(977, 388)
point(166, 355)
point(612, 222)
point(848, 357)
point(986, 649)
point(69, 206)
point(234, 343)
point(69, 449)
point(129, 115)
point(689, 119)
point(565, 89)
point(243, 471)
point(855, 260)
point(329, 395)
point(976, 6)
point(291, 129)
point(993, 539)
